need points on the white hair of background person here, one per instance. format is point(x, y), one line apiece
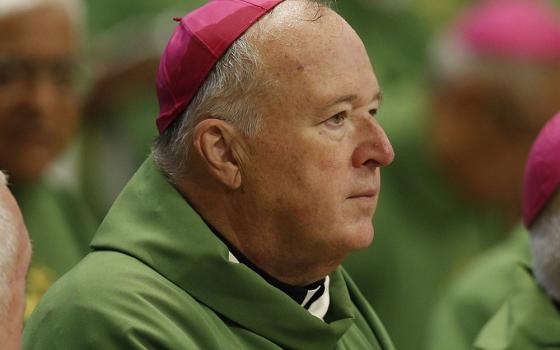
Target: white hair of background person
point(74, 8)
point(452, 59)
point(8, 250)
point(545, 245)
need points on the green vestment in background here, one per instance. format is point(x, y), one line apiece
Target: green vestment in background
point(478, 294)
point(527, 321)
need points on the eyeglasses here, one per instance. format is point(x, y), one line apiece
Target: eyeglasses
point(19, 72)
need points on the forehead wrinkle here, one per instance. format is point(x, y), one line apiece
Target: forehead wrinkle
point(378, 96)
point(291, 46)
point(295, 40)
point(351, 98)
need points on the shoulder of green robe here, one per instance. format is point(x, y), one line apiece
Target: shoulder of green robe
point(112, 301)
point(473, 298)
point(84, 310)
point(526, 321)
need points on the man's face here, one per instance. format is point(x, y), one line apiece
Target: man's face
point(38, 105)
point(311, 176)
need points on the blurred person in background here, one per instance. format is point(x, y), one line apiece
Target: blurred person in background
point(530, 318)
point(497, 83)
point(39, 114)
point(426, 232)
point(15, 254)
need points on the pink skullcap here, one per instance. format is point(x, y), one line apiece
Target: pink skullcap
point(527, 29)
point(199, 41)
point(542, 172)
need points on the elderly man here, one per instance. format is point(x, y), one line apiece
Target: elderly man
point(264, 178)
point(495, 93)
point(530, 319)
point(38, 116)
point(15, 254)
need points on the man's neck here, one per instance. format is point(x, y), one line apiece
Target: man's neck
point(253, 239)
point(298, 293)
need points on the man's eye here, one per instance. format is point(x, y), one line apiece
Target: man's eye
point(373, 112)
point(12, 71)
point(63, 73)
point(337, 119)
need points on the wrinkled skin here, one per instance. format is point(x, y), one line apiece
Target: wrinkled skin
point(311, 177)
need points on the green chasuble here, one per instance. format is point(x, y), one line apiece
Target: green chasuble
point(527, 321)
point(60, 227)
point(477, 294)
point(158, 278)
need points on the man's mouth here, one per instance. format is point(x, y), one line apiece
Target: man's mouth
point(367, 194)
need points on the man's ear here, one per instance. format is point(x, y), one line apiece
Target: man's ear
point(213, 140)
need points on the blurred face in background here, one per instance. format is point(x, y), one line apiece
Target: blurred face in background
point(484, 124)
point(38, 101)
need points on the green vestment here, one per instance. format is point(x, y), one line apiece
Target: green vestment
point(478, 294)
point(527, 321)
point(158, 278)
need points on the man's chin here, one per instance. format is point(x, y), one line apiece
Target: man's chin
point(361, 238)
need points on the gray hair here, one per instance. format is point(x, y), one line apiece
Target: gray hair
point(545, 245)
point(8, 247)
point(229, 93)
point(3, 178)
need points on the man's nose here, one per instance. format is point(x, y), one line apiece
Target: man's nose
point(374, 148)
point(42, 98)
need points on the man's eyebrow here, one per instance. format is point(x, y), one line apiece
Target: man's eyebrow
point(378, 96)
point(351, 98)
